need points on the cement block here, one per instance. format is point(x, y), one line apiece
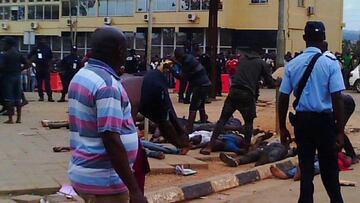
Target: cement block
point(248, 177)
point(171, 194)
point(264, 171)
point(196, 190)
point(27, 199)
point(224, 182)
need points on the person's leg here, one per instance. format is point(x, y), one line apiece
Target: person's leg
point(64, 85)
point(19, 98)
point(306, 154)
point(182, 89)
point(328, 158)
point(349, 149)
point(10, 112)
point(33, 83)
point(202, 111)
point(250, 157)
point(48, 86)
point(39, 80)
point(189, 91)
point(276, 152)
point(226, 113)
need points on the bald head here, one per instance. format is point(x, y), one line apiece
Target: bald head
point(109, 45)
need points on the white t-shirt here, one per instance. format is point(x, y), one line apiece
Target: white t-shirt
point(205, 136)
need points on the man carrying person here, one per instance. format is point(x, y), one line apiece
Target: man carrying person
point(319, 121)
point(70, 65)
point(41, 56)
point(195, 74)
point(103, 134)
point(243, 94)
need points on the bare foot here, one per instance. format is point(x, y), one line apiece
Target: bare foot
point(297, 175)
point(205, 151)
point(276, 172)
point(9, 122)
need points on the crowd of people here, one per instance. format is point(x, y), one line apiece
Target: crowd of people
point(110, 91)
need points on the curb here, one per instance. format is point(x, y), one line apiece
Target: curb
point(216, 184)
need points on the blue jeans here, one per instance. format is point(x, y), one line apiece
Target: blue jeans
point(232, 143)
point(291, 173)
point(160, 148)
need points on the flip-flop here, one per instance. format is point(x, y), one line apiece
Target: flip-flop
point(61, 149)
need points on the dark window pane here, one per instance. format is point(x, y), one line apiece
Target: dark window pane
point(56, 43)
point(195, 5)
point(168, 35)
point(65, 8)
point(156, 38)
point(156, 50)
point(129, 39)
point(54, 12)
point(1, 13)
point(205, 4)
point(47, 12)
point(39, 12)
point(31, 12)
point(180, 38)
point(81, 40)
point(140, 41)
point(168, 51)
point(225, 38)
point(7, 13)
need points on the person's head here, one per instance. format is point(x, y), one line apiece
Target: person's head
point(109, 45)
point(132, 52)
point(196, 140)
point(324, 46)
point(314, 34)
point(74, 50)
point(179, 54)
point(8, 43)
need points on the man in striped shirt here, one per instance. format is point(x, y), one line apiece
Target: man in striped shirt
point(104, 139)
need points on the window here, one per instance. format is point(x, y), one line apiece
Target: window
point(259, 1)
point(5, 13)
point(43, 12)
point(193, 5)
point(158, 5)
point(301, 3)
point(116, 8)
point(17, 13)
point(86, 8)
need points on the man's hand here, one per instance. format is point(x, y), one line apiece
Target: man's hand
point(285, 137)
point(340, 140)
point(137, 197)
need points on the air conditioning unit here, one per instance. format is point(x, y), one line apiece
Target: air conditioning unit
point(192, 17)
point(34, 25)
point(146, 17)
point(107, 21)
point(4, 26)
point(310, 10)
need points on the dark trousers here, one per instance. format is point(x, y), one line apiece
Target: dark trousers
point(244, 102)
point(218, 84)
point(271, 153)
point(182, 88)
point(317, 131)
point(65, 81)
point(43, 76)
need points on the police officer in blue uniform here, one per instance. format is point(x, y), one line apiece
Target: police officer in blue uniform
point(319, 120)
point(42, 56)
point(70, 65)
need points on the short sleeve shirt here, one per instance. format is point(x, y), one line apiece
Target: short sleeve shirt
point(325, 79)
point(98, 103)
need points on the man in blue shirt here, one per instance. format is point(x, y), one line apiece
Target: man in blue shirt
point(319, 119)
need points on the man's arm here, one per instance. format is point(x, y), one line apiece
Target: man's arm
point(282, 111)
point(338, 106)
point(118, 156)
point(268, 79)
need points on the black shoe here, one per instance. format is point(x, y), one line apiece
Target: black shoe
point(228, 160)
point(186, 102)
point(41, 99)
point(51, 100)
point(61, 100)
point(181, 101)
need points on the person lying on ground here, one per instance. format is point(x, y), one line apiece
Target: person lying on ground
point(344, 163)
point(148, 94)
point(228, 142)
point(263, 155)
